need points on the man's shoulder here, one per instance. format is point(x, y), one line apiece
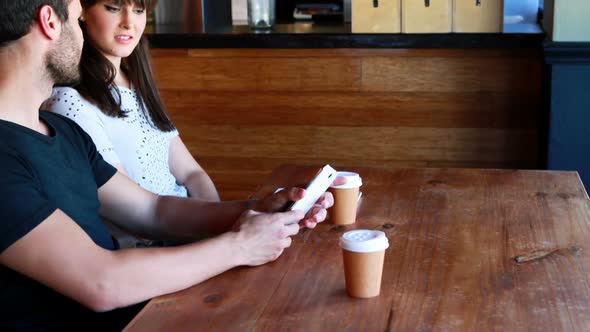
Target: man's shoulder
point(11, 158)
point(10, 142)
point(63, 125)
point(57, 119)
point(6, 149)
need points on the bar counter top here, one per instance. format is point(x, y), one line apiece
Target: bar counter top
point(310, 35)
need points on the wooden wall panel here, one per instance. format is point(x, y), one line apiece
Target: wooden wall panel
point(352, 143)
point(243, 112)
point(451, 74)
point(258, 74)
point(410, 109)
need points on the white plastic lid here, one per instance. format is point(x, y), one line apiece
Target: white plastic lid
point(353, 180)
point(363, 240)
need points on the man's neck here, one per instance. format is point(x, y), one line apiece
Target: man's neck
point(22, 91)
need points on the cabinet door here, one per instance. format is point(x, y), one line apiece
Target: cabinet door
point(426, 16)
point(376, 16)
point(478, 15)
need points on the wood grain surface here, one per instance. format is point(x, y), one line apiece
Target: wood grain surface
point(352, 107)
point(470, 250)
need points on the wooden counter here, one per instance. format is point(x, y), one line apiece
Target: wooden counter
point(309, 35)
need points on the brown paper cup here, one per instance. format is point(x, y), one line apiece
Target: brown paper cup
point(345, 204)
point(362, 272)
point(363, 252)
point(345, 200)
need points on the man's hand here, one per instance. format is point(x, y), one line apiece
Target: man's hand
point(262, 237)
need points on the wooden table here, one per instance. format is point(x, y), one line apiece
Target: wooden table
point(455, 238)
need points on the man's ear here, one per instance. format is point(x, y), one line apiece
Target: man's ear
point(49, 22)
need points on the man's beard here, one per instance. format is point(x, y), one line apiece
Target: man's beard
point(63, 62)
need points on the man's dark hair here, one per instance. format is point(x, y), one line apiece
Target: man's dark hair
point(17, 16)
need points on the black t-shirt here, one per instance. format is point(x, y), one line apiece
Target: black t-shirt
point(39, 174)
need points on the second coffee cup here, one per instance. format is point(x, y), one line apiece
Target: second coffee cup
point(363, 252)
point(345, 199)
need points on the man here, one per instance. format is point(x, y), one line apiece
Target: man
point(58, 265)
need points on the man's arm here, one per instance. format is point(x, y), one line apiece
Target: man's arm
point(60, 255)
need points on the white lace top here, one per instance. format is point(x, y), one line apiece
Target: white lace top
point(131, 141)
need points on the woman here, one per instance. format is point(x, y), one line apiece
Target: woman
point(118, 104)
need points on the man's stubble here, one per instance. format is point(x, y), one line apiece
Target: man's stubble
point(62, 63)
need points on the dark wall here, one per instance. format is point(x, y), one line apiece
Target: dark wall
point(569, 119)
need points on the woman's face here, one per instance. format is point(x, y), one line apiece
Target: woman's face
point(115, 30)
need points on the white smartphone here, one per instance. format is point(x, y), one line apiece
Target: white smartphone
point(315, 189)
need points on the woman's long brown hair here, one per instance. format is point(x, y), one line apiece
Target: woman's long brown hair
point(98, 75)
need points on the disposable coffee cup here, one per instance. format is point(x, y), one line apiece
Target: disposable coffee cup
point(363, 252)
point(345, 199)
